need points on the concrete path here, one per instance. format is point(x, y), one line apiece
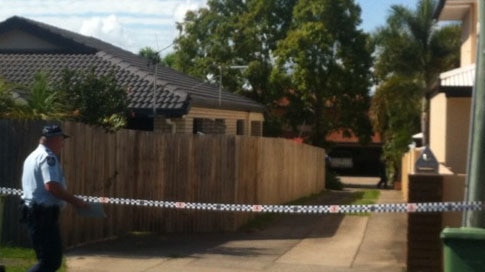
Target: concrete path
point(296, 243)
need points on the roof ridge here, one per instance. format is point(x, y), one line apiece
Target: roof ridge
point(125, 64)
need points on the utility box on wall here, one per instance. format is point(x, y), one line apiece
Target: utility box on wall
point(426, 162)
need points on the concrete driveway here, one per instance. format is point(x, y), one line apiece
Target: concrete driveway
point(295, 243)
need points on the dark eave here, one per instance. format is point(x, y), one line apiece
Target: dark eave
point(452, 91)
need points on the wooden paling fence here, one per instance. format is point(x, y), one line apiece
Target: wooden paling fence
point(156, 166)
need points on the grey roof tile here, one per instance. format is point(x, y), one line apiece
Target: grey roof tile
point(175, 91)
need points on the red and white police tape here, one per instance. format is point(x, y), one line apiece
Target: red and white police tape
point(424, 207)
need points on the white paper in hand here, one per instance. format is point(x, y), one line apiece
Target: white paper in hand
point(95, 209)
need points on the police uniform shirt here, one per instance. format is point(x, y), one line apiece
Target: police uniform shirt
point(40, 167)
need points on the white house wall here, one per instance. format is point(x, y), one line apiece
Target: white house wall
point(437, 127)
point(458, 128)
point(469, 37)
point(449, 130)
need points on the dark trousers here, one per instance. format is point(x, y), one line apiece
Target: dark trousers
point(382, 183)
point(44, 231)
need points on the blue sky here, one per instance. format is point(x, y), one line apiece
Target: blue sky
point(132, 24)
point(374, 12)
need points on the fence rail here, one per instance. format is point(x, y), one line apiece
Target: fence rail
point(157, 166)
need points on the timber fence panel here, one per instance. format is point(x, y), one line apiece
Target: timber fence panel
point(187, 168)
point(247, 172)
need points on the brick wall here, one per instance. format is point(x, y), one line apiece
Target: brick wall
point(424, 243)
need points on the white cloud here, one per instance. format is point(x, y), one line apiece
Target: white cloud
point(108, 29)
point(125, 23)
point(182, 8)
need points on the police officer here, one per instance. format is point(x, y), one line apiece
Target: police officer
point(383, 175)
point(44, 193)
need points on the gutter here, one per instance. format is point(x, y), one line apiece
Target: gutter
point(438, 9)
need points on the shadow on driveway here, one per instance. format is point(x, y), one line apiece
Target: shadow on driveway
point(284, 230)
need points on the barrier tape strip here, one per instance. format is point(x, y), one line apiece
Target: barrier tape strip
point(290, 209)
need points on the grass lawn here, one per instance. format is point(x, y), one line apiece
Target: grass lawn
point(17, 259)
point(365, 197)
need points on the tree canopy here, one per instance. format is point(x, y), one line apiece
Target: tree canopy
point(303, 51)
point(228, 33)
point(395, 112)
point(328, 60)
point(411, 51)
point(150, 54)
point(413, 46)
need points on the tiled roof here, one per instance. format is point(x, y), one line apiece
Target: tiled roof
point(338, 137)
point(175, 92)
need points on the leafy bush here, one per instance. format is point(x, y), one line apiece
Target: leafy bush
point(95, 100)
point(80, 96)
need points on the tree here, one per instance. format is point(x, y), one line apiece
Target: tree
point(230, 33)
point(7, 103)
point(227, 33)
point(395, 116)
point(154, 57)
point(150, 54)
point(411, 45)
point(168, 60)
point(42, 101)
point(94, 100)
point(328, 60)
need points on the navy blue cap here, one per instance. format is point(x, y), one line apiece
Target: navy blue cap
point(53, 131)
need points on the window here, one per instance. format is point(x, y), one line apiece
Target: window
point(209, 126)
point(240, 127)
point(197, 126)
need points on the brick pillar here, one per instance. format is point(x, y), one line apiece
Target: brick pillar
point(424, 252)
